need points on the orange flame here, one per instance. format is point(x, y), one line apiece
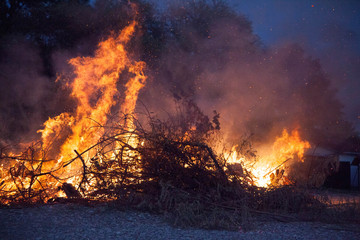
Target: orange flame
point(94, 88)
point(285, 148)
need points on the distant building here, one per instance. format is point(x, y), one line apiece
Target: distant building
point(347, 175)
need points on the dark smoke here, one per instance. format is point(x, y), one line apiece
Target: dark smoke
point(196, 51)
point(24, 90)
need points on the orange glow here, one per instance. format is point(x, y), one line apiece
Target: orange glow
point(94, 88)
point(287, 147)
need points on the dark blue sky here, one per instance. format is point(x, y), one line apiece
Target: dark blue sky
point(278, 20)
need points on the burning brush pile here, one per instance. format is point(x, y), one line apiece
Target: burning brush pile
point(105, 150)
point(89, 155)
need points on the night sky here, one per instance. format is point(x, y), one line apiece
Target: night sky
point(328, 30)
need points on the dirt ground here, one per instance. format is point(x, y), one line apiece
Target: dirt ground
point(70, 221)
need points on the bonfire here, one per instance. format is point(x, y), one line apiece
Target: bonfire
point(102, 151)
point(88, 151)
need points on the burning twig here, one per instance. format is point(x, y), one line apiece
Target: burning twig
point(84, 170)
point(277, 167)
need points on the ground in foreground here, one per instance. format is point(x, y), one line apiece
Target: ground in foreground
point(71, 221)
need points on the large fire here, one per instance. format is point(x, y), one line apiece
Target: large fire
point(94, 87)
point(68, 138)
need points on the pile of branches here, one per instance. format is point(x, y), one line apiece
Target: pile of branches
point(170, 168)
point(26, 174)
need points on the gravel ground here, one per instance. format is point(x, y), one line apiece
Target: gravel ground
point(67, 221)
